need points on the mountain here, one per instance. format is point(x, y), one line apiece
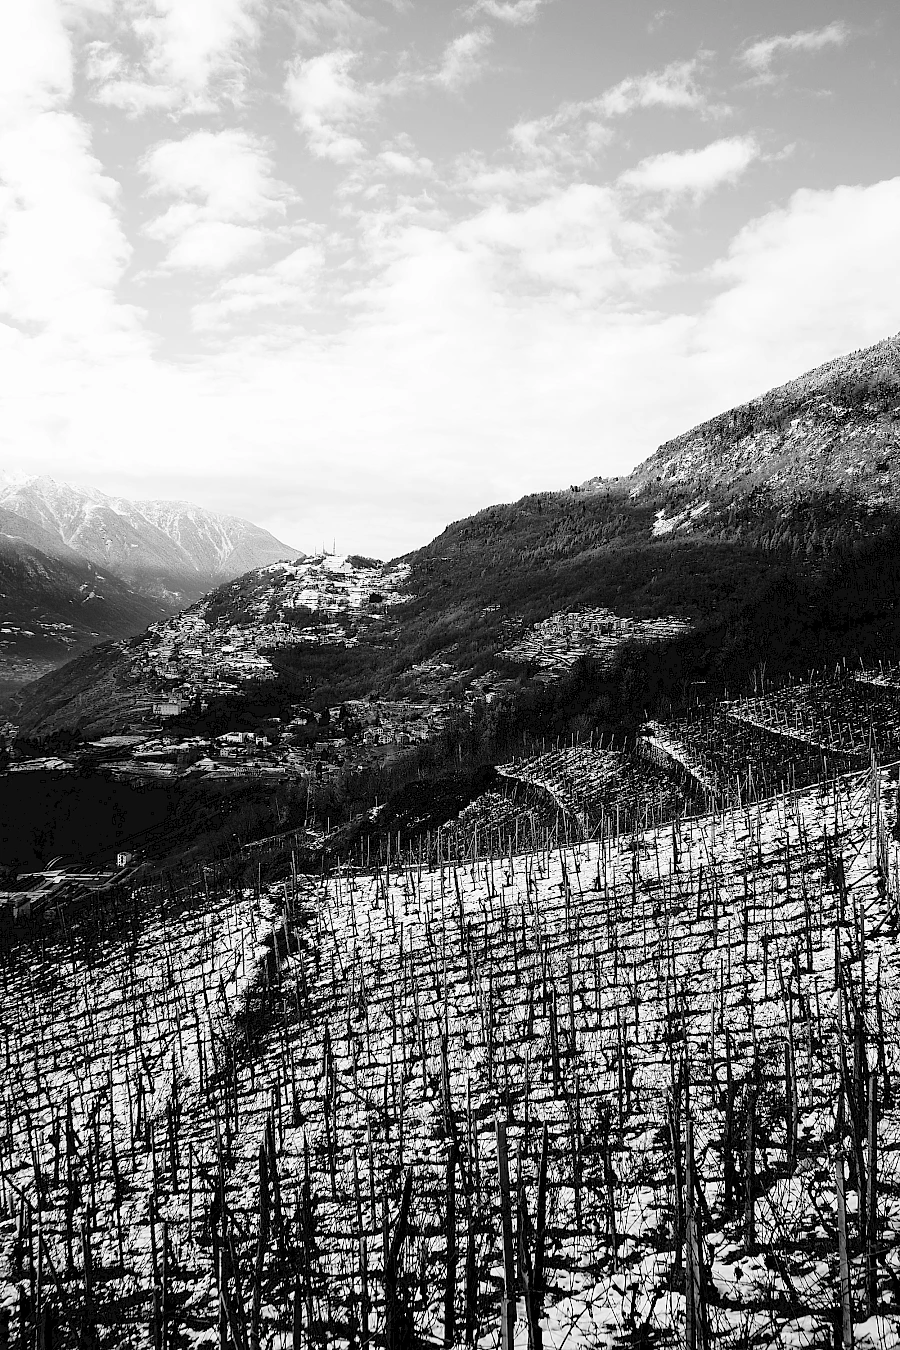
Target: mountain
point(748, 531)
point(54, 606)
point(172, 550)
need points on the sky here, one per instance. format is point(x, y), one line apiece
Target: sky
point(356, 268)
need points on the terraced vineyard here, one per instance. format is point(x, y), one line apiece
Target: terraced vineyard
point(272, 1119)
point(601, 790)
point(851, 715)
point(733, 760)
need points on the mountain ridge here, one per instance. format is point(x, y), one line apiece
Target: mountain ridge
point(156, 545)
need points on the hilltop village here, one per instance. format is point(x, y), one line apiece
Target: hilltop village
point(220, 643)
point(558, 642)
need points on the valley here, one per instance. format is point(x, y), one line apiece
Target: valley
point(494, 946)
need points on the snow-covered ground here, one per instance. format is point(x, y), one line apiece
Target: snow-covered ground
point(586, 988)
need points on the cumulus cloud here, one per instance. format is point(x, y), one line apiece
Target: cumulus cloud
point(675, 86)
point(516, 12)
point(379, 177)
point(289, 282)
point(62, 248)
point(225, 193)
point(480, 178)
point(329, 104)
point(693, 173)
point(575, 132)
point(35, 59)
point(120, 84)
point(463, 59)
point(320, 22)
point(760, 55)
point(404, 164)
point(62, 251)
point(577, 240)
point(812, 276)
point(191, 54)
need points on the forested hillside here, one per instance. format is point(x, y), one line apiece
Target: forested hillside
point(758, 578)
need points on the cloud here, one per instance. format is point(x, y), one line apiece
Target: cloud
point(577, 240)
point(118, 84)
point(463, 59)
point(814, 276)
point(463, 387)
point(516, 12)
point(760, 55)
point(231, 170)
point(658, 19)
point(477, 177)
point(403, 164)
point(35, 59)
point(62, 251)
point(675, 86)
point(225, 195)
point(289, 282)
point(379, 176)
point(62, 248)
point(577, 246)
point(318, 22)
point(693, 173)
point(575, 133)
point(192, 53)
point(572, 135)
point(330, 104)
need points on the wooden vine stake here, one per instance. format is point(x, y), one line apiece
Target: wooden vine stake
point(450, 1285)
point(508, 1302)
point(398, 1328)
point(750, 1175)
point(541, 1217)
point(694, 1320)
point(872, 1200)
point(843, 1258)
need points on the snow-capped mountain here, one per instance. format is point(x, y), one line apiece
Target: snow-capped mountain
point(172, 549)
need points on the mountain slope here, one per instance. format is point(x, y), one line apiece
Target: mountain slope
point(171, 549)
point(735, 529)
point(51, 607)
point(834, 429)
point(18, 530)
